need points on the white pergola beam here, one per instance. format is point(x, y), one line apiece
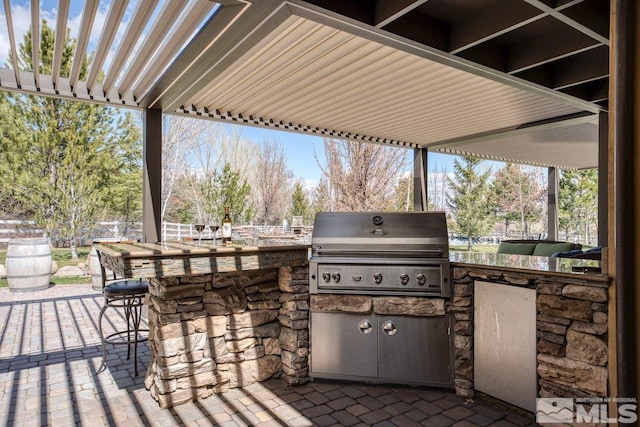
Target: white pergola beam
point(191, 20)
point(12, 42)
point(84, 34)
point(141, 16)
point(35, 40)
point(109, 31)
point(61, 32)
point(159, 29)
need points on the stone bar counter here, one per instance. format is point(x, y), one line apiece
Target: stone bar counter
point(219, 317)
point(225, 317)
point(571, 319)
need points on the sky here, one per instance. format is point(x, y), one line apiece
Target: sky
point(302, 151)
point(21, 17)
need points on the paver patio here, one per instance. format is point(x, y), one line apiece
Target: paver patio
point(50, 353)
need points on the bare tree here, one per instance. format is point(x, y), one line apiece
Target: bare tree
point(272, 184)
point(194, 155)
point(362, 176)
point(181, 136)
point(437, 187)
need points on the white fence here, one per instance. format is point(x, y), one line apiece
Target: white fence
point(10, 229)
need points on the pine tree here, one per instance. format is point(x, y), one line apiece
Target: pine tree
point(125, 186)
point(470, 201)
point(228, 188)
point(578, 203)
point(403, 195)
point(322, 198)
point(300, 204)
point(520, 194)
point(62, 156)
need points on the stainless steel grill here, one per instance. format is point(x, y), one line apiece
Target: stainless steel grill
point(380, 253)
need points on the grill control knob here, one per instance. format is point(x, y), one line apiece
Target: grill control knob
point(377, 277)
point(404, 278)
point(326, 277)
point(336, 277)
point(421, 279)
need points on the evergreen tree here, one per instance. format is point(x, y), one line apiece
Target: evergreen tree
point(62, 156)
point(578, 203)
point(300, 205)
point(520, 194)
point(321, 198)
point(125, 187)
point(228, 188)
point(403, 197)
point(470, 201)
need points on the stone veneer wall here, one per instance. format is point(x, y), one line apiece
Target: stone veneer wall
point(218, 331)
point(571, 328)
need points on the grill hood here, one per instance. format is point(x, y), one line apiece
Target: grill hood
point(382, 234)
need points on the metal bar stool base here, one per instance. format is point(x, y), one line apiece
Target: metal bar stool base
point(132, 335)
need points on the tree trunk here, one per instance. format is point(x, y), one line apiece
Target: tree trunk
point(73, 247)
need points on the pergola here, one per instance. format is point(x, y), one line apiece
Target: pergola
point(545, 82)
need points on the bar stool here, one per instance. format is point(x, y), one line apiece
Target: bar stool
point(128, 295)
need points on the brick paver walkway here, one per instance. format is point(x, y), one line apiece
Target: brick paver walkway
point(50, 353)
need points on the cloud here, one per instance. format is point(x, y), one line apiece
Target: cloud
point(309, 185)
point(21, 17)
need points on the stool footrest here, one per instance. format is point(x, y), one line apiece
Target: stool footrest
point(121, 337)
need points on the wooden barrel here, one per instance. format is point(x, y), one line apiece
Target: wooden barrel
point(28, 264)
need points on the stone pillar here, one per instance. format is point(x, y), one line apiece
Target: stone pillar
point(293, 283)
point(461, 305)
point(572, 340)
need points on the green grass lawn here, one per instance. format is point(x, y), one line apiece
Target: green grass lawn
point(62, 256)
point(474, 248)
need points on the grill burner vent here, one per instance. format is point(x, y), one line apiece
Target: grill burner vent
point(380, 253)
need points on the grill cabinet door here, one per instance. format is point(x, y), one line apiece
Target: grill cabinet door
point(415, 349)
point(344, 345)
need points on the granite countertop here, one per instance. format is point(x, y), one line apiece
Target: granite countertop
point(193, 248)
point(528, 262)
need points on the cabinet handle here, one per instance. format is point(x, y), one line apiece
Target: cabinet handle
point(389, 328)
point(365, 326)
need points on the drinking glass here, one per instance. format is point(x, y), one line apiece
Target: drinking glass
point(199, 228)
point(214, 229)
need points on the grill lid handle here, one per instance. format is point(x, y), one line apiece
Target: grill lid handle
point(391, 252)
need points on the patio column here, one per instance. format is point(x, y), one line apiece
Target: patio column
point(420, 156)
point(624, 234)
point(152, 175)
point(552, 203)
point(603, 181)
